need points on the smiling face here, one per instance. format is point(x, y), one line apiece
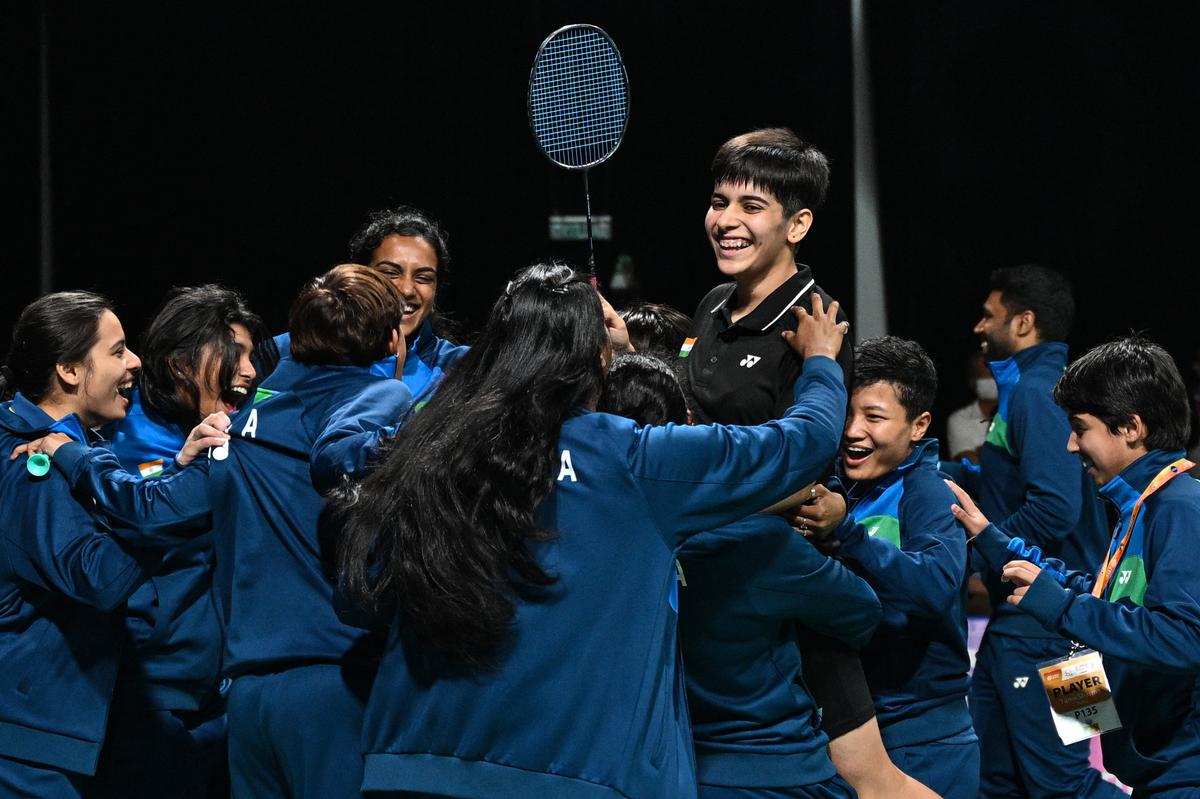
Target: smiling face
point(215, 397)
point(1103, 453)
point(878, 435)
point(749, 232)
point(98, 389)
point(994, 329)
point(411, 263)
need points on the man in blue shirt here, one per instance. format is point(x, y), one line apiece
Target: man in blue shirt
point(1034, 488)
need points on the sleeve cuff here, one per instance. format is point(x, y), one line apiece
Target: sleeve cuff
point(849, 532)
point(69, 458)
point(1046, 601)
point(992, 546)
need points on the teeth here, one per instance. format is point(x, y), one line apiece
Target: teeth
point(733, 244)
point(858, 452)
point(240, 390)
point(409, 309)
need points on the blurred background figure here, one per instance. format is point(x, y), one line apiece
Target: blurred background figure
point(967, 427)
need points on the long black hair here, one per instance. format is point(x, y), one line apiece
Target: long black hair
point(57, 328)
point(439, 532)
point(191, 322)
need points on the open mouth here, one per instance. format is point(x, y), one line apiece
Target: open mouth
point(125, 390)
point(235, 397)
point(1087, 462)
point(854, 455)
point(732, 245)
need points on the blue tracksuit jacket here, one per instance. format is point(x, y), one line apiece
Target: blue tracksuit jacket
point(1147, 625)
point(743, 588)
point(428, 359)
point(63, 583)
point(175, 660)
point(1028, 482)
point(901, 536)
point(274, 558)
point(588, 700)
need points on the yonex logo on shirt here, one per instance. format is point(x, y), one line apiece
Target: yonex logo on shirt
point(1020, 682)
point(749, 361)
point(1123, 577)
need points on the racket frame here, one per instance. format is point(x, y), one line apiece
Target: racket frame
point(529, 96)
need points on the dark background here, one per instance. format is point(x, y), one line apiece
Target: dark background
point(245, 143)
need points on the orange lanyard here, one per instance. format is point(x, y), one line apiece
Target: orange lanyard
point(1109, 566)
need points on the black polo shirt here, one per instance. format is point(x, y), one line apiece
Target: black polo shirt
point(743, 372)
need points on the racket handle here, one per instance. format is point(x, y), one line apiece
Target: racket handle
point(587, 199)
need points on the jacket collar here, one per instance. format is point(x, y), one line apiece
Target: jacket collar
point(1124, 489)
point(290, 372)
point(33, 420)
point(775, 305)
point(1008, 371)
point(424, 340)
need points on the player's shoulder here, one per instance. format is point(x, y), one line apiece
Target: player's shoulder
point(1180, 497)
point(592, 424)
point(1035, 388)
point(926, 485)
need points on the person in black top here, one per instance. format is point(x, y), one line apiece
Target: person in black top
point(766, 185)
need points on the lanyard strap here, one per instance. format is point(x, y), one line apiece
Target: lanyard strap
point(1109, 566)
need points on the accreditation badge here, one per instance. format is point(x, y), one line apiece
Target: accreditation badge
point(1081, 700)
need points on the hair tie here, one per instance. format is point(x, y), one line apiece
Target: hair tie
point(563, 284)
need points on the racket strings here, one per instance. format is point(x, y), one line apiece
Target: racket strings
point(578, 98)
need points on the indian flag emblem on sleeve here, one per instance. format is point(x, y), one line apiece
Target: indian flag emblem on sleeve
point(150, 468)
point(686, 349)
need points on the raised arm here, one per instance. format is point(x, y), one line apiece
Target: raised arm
point(697, 478)
point(149, 512)
point(1162, 633)
point(921, 577)
point(351, 434)
point(815, 590)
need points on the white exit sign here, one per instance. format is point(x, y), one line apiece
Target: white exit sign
point(574, 227)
